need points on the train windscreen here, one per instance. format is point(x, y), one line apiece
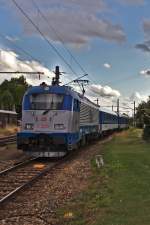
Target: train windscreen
point(46, 101)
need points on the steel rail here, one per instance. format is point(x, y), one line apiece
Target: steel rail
point(3, 172)
point(22, 187)
point(12, 194)
point(8, 140)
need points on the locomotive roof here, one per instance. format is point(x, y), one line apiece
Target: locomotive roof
point(52, 89)
point(59, 90)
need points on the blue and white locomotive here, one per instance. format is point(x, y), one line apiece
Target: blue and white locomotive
point(56, 119)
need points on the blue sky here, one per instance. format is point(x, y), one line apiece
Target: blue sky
point(104, 31)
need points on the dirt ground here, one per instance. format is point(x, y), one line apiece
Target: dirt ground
point(38, 204)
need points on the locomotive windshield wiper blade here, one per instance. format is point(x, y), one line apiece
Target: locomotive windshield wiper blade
point(45, 112)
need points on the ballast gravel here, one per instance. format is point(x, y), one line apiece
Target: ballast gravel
point(37, 205)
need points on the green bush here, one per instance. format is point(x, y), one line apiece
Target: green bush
point(146, 133)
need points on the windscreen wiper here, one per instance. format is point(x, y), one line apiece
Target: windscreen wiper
point(46, 111)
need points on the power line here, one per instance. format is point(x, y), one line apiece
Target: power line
point(124, 79)
point(42, 34)
point(58, 36)
point(20, 48)
point(76, 79)
point(61, 40)
point(48, 42)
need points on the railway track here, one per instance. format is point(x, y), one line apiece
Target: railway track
point(21, 176)
point(8, 140)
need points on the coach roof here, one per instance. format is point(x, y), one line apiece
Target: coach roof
point(107, 111)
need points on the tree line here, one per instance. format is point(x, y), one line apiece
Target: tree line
point(143, 118)
point(11, 94)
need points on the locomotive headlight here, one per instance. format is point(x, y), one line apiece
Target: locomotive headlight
point(29, 126)
point(59, 126)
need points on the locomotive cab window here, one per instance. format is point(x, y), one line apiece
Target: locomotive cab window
point(46, 101)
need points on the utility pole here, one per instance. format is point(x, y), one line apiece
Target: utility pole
point(55, 80)
point(134, 119)
point(57, 75)
point(118, 105)
point(112, 108)
point(97, 101)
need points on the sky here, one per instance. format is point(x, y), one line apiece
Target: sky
point(107, 39)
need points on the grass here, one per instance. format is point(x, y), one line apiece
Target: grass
point(118, 193)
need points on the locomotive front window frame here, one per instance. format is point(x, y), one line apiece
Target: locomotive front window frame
point(46, 101)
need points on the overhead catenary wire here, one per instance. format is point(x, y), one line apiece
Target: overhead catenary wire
point(124, 79)
point(20, 48)
point(25, 53)
point(47, 40)
point(58, 36)
point(43, 35)
point(61, 40)
point(76, 79)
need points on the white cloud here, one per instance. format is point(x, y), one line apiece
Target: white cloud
point(86, 5)
point(76, 22)
point(136, 96)
point(80, 29)
point(107, 65)
point(105, 91)
point(9, 61)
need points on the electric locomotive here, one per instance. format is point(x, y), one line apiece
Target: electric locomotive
point(55, 120)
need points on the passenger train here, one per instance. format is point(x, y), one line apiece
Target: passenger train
point(56, 119)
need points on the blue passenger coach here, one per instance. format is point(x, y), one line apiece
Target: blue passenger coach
point(123, 121)
point(108, 120)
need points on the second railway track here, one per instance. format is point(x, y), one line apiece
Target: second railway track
point(8, 140)
point(17, 178)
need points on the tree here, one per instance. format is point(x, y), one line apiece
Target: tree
point(140, 114)
point(143, 118)
point(16, 88)
point(6, 100)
